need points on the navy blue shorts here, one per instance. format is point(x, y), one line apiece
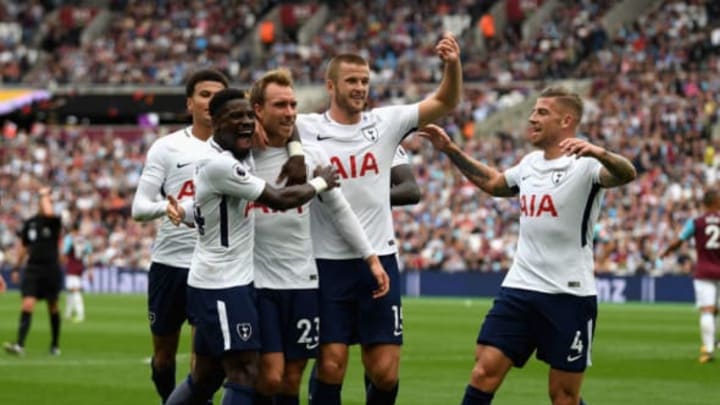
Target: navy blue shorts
point(559, 326)
point(348, 312)
point(167, 298)
point(225, 320)
point(289, 321)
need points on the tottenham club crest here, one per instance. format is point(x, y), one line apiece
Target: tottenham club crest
point(557, 176)
point(371, 133)
point(244, 330)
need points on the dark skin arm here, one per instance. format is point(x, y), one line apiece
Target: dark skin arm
point(297, 195)
point(294, 169)
point(404, 189)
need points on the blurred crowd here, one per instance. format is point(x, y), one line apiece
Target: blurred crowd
point(654, 96)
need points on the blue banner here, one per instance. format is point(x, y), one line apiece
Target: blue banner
point(617, 289)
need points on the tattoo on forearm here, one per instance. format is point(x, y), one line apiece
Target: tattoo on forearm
point(469, 168)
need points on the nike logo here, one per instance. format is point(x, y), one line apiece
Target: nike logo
point(570, 358)
point(311, 346)
point(181, 165)
point(322, 138)
point(397, 332)
point(523, 178)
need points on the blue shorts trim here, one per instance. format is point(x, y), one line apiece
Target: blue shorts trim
point(167, 298)
point(290, 322)
point(348, 312)
point(559, 327)
point(225, 320)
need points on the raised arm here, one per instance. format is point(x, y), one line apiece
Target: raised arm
point(448, 94)
point(46, 206)
point(485, 177)
point(294, 169)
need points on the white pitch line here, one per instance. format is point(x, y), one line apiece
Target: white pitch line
point(60, 362)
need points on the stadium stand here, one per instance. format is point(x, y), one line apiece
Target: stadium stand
point(652, 93)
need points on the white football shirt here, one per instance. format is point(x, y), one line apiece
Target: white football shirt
point(363, 153)
point(168, 170)
point(283, 243)
point(223, 255)
point(560, 203)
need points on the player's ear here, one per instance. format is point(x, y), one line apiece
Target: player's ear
point(329, 85)
point(188, 104)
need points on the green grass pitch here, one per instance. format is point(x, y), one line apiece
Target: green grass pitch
point(642, 354)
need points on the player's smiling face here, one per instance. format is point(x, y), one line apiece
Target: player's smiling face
point(198, 104)
point(350, 91)
point(235, 126)
point(278, 112)
point(544, 122)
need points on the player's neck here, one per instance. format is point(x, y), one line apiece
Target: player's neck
point(552, 153)
point(276, 141)
point(343, 117)
point(201, 132)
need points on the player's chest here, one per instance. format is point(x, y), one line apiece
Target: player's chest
point(39, 233)
point(552, 193)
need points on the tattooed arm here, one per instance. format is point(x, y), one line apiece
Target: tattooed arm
point(486, 178)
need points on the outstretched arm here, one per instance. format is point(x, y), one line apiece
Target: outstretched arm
point(447, 96)
point(485, 177)
point(616, 170)
point(284, 198)
point(671, 247)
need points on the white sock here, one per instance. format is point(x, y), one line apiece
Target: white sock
point(79, 305)
point(69, 304)
point(707, 330)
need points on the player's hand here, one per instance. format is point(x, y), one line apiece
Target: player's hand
point(330, 174)
point(174, 211)
point(294, 171)
point(448, 49)
point(15, 277)
point(579, 147)
point(437, 136)
point(380, 275)
point(3, 286)
point(259, 136)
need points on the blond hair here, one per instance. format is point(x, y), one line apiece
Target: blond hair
point(334, 65)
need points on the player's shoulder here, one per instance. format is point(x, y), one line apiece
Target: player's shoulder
point(390, 111)
point(166, 144)
point(315, 154)
point(307, 119)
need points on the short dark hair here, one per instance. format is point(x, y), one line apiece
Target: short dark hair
point(204, 75)
point(334, 65)
point(711, 196)
point(567, 99)
point(222, 97)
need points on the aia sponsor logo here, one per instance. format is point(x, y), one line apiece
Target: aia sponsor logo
point(356, 166)
point(534, 205)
